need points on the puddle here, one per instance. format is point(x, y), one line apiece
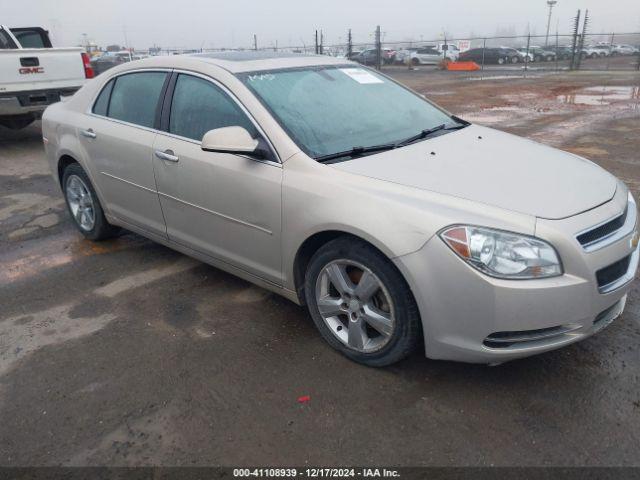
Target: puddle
point(601, 96)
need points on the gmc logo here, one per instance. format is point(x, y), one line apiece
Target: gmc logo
point(30, 70)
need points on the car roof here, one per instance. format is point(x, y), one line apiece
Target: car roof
point(242, 61)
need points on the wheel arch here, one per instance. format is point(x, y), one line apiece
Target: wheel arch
point(317, 240)
point(63, 162)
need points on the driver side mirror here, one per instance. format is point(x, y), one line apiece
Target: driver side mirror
point(236, 140)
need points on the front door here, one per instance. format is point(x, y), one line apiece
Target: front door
point(224, 205)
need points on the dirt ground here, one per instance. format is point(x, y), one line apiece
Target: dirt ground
point(127, 353)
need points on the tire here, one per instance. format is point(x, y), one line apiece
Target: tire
point(74, 179)
point(514, 59)
point(415, 61)
point(549, 58)
point(391, 300)
point(500, 61)
point(17, 122)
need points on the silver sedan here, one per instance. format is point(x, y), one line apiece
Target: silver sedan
point(396, 223)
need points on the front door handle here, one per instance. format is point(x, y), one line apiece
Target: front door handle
point(167, 155)
point(89, 133)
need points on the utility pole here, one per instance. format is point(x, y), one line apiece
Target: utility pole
point(378, 49)
point(349, 45)
point(551, 3)
point(255, 41)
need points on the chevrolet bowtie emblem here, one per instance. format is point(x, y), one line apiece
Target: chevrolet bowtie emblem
point(635, 239)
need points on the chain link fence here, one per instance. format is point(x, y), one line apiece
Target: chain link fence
point(512, 55)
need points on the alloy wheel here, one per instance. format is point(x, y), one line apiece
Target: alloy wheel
point(355, 305)
point(80, 203)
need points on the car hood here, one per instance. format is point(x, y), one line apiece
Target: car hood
point(495, 168)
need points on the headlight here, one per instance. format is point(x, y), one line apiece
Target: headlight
point(503, 254)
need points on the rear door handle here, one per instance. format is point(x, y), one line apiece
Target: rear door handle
point(167, 155)
point(89, 133)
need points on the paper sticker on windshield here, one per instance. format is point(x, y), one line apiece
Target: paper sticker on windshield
point(361, 76)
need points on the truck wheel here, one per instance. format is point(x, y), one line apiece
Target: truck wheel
point(361, 304)
point(84, 206)
point(17, 122)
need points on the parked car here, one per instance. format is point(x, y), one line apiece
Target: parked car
point(110, 60)
point(394, 222)
point(426, 56)
point(563, 52)
point(368, 57)
point(34, 75)
point(595, 51)
point(602, 50)
point(498, 55)
point(524, 54)
point(449, 51)
point(539, 54)
point(623, 49)
point(404, 54)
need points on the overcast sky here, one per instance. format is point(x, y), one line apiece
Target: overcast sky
point(232, 23)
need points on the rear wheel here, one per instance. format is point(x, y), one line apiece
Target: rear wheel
point(415, 61)
point(17, 122)
point(84, 206)
point(500, 61)
point(361, 304)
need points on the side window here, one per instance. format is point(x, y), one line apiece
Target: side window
point(30, 38)
point(102, 102)
point(199, 106)
point(134, 97)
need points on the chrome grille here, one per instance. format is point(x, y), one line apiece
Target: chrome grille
point(603, 231)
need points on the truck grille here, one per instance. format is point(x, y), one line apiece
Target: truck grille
point(613, 272)
point(601, 232)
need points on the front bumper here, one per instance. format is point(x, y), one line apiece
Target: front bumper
point(471, 317)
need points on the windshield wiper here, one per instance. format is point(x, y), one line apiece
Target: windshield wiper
point(356, 152)
point(423, 134)
point(430, 131)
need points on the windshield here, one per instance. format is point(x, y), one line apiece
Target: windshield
point(327, 110)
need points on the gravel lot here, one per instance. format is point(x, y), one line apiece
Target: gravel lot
point(127, 353)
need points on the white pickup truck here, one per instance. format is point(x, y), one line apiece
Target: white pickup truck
point(34, 75)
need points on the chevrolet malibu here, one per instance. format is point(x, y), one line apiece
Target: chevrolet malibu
point(396, 223)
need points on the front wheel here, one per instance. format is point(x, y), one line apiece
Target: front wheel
point(361, 304)
point(500, 61)
point(84, 206)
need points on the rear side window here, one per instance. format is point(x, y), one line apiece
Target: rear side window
point(134, 97)
point(101, 106)
point(30, 38)
point(199, 106)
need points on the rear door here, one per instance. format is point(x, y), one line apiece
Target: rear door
point(224, 205)
point(118, 136)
